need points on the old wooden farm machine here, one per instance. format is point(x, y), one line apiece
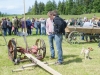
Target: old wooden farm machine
point(35, 54)
point(17, 53)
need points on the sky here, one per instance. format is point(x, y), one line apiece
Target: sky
point(17, 6)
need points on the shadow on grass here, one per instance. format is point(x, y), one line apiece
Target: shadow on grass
point(75, 59)
point(87, 42)
point(68, 56)
point(47, 57)
point(2, 45)
point(83, 43)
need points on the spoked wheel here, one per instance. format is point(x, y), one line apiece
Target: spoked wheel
point(12, 51)
point(74, 37)
point(65, 36)
point(41, 48)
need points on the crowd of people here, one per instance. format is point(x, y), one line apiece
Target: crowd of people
point(86, 23)
point(15, 25)
point(12, 26)
point(82, 21)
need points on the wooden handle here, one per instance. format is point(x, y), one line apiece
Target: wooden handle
point(44, 66)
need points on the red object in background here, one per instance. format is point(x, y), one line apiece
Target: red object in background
point(34, 49)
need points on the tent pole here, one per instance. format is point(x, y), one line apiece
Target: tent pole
point(24, 15)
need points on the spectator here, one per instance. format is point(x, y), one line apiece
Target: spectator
point(4, 26)
point(23, 24)
point(50, 33)
point(16, 25)
point(9, 24)
point(28, 25)
point(37, 26)
point(43, 27)
point(98, 23)
point(87, 24)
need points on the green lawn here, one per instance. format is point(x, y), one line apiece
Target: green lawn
point(74, 63)
point(63, 16)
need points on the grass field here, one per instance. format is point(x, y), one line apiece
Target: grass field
point(74, 63)
point(63, 16)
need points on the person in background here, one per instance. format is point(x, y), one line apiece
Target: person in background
point(37, 25)
point(23, 21)
point(50, 33)
point(43, 26)
point(98, 23)
point(88, 24)
point(1, 24)
point(4, 26)
point(9, 24)
point(28, 26)
point(13, 25)
point(16, 22)
point(12, 20)
point(32, 20)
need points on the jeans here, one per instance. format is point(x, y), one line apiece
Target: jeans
point(58, 40)
point(51, 38)
point(29, 31)
point(82, 36)
point(38, 31)
point(9, 30)
point(5, 31)
point(43, 30)
point(15, 30)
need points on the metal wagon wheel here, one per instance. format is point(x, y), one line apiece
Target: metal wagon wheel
point(41, 47)
point(12, 51)
point(74, 37)
point(66, 36)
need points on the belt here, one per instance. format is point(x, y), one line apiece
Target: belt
point(51, 33)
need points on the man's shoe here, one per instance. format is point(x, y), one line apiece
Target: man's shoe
point(58, 63)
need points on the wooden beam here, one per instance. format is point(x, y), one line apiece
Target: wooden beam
point(21, 69)
point(33, 64)
point(41, 64)
point(29, 65)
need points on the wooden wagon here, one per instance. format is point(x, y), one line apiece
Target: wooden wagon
point(75, 33)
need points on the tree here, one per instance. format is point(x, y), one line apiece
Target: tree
point(54, 5)
point(29, 10)
point(35, 8)
point(63, 7)
point(0, 14)
point(68, 7)
point(49, 6)
point(59, 7)
point(41, 7)
point(96, 5)
point(74, 7)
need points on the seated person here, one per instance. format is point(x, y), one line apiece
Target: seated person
point(87, 24)
point(98, 23)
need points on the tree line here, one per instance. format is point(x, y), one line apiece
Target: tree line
point(65, 7)
point(3, 14)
